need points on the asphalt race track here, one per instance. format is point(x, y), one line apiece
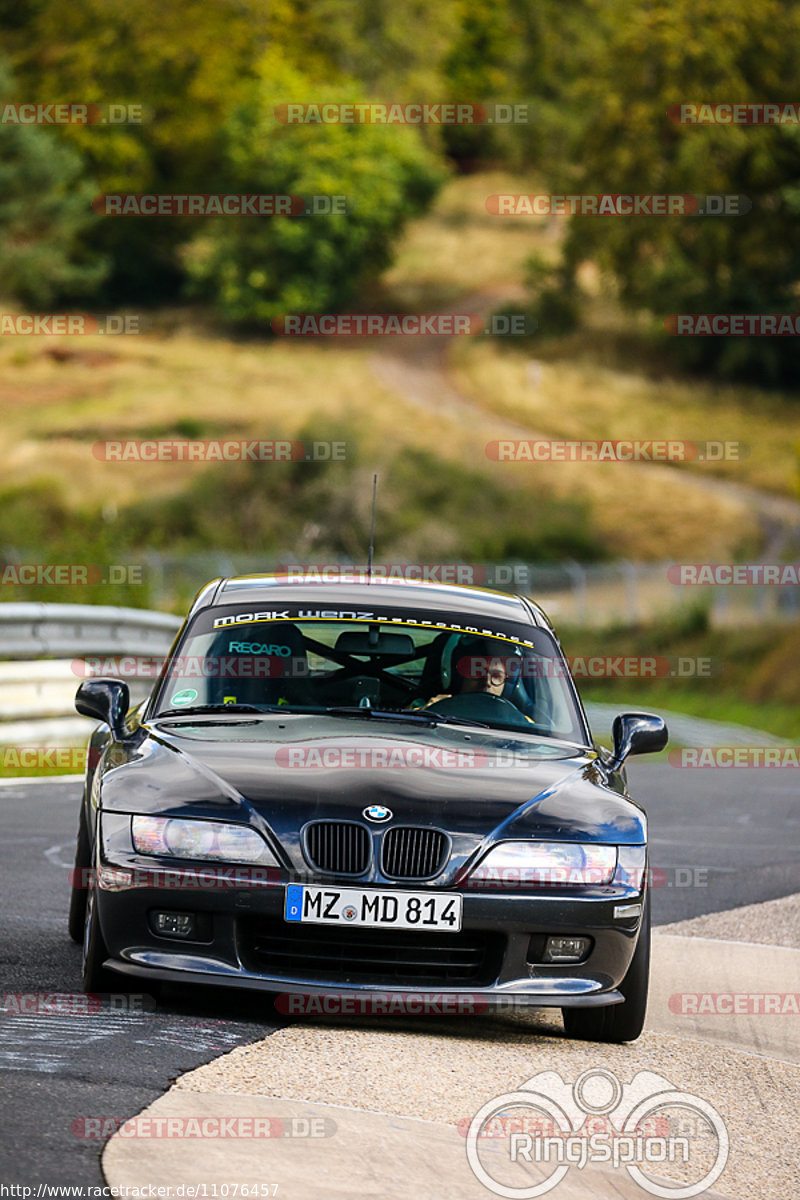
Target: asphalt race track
point(55, 1070)
point(719, 839)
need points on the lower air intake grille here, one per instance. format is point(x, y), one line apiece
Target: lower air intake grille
point(338, 847)
point(400, 958)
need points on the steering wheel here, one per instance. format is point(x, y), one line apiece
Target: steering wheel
point(485, 706)
point(478, 705)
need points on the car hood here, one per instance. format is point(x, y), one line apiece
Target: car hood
point(283, 772)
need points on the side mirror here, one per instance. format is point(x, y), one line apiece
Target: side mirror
point(637, 733)
point(107, 700)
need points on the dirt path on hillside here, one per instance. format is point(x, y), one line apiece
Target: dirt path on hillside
point(417, 370)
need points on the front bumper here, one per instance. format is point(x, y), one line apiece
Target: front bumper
point(503, 932)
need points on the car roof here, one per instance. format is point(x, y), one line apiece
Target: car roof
point(358, 592)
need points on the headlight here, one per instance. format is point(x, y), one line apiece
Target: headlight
point(539, 864)
point(211, 841)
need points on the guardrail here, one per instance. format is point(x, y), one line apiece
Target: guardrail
point(44, 644)
point(38, 630)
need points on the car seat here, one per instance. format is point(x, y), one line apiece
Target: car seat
point(275, 672)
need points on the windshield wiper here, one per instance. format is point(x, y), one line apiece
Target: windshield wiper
point(416, 716)
point(218, 708)
point(449, 719)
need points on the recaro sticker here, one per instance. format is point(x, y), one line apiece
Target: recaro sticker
point(258, 648)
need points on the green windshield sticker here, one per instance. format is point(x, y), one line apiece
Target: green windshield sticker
point(184, 697)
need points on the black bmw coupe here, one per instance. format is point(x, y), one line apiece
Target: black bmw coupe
point(382, 793)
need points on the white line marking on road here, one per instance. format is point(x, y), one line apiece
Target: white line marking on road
point(53, 855)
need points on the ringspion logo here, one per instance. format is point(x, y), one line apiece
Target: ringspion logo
point(647, 1123)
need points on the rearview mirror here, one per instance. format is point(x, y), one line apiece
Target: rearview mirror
point(637, 733)
point(107, 700)
point(400, 645)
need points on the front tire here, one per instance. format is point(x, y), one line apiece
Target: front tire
point(94, 976)
point(618, 1022)
point(80, 881)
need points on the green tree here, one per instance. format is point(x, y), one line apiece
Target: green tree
point(394, 49)
point(185, 64)
point(520, 52)
point(44, 208)
point(688, 51)
point(254, 268)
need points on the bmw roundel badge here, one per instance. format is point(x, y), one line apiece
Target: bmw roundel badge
point(376, 812)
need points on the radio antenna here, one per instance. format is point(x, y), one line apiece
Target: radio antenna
point(372, 528)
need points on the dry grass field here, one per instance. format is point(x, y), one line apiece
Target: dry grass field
point(185, 378)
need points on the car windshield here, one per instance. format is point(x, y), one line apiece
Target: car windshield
point(384, 665)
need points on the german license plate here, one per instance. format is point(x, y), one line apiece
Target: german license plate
point(359, 906)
